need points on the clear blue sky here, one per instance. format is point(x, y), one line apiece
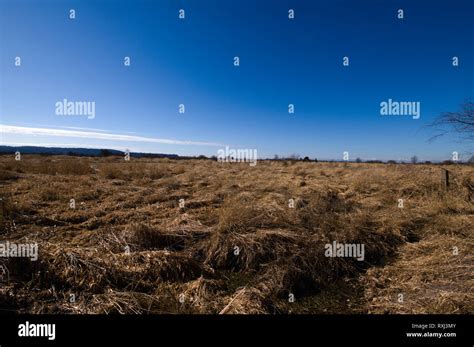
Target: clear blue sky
point(190, 61)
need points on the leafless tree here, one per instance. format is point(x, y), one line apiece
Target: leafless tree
point(460, 123)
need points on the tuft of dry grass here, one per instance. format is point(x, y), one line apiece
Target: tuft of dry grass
point(145, 237)
point(434, 276)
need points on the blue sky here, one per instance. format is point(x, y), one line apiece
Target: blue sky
point(190, 61)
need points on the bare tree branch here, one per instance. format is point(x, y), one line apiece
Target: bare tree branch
point(461, 123)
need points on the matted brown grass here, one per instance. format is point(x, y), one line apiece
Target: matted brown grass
point(236, 246)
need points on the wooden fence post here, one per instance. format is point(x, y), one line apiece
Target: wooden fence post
point(445, 178)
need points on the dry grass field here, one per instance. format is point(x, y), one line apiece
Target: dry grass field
point(236, 246)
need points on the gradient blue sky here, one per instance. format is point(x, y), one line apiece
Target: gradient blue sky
point(191, 62)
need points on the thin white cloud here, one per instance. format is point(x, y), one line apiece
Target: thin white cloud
point(18, 130)
point(87, 129)
point(73, 128)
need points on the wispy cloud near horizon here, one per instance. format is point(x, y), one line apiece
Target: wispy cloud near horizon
point(94, 135)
